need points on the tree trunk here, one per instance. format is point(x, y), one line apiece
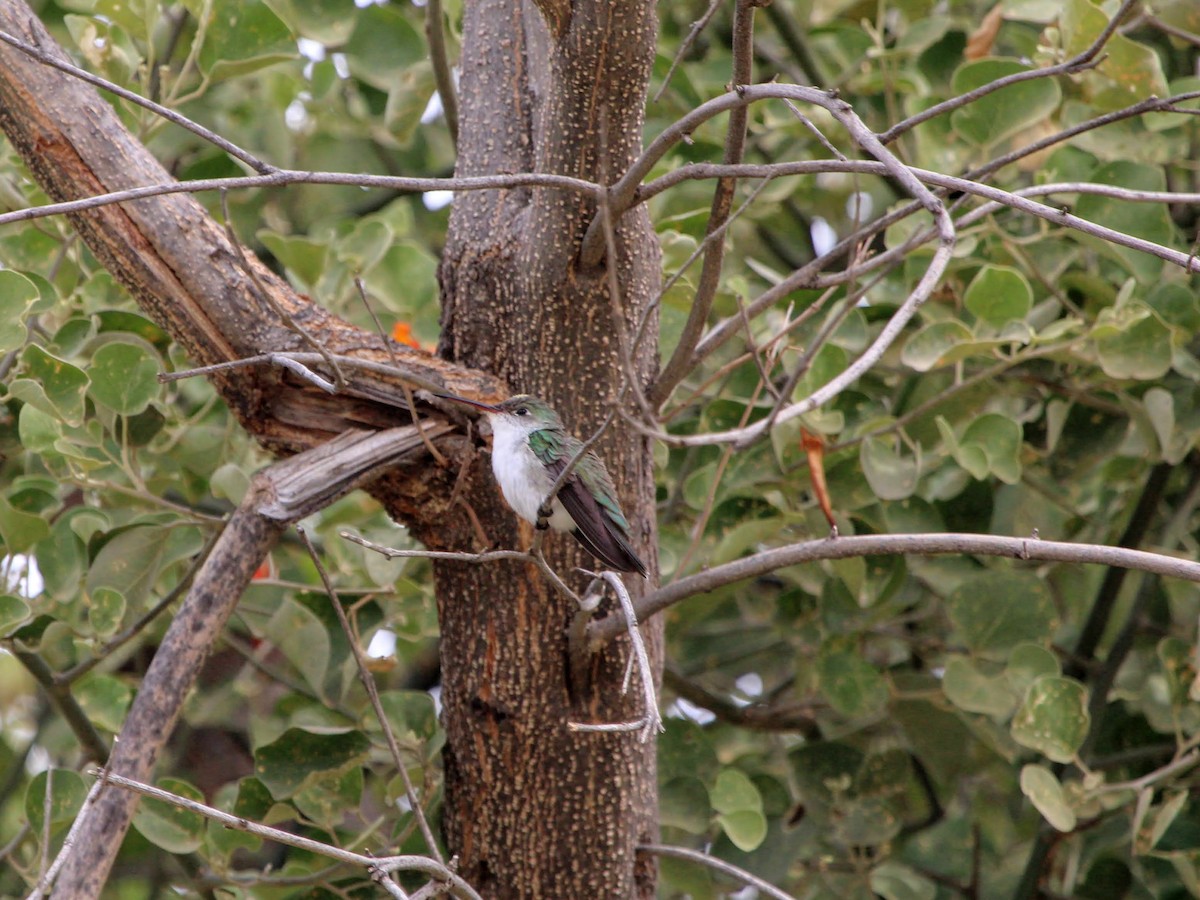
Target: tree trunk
point(532, 808)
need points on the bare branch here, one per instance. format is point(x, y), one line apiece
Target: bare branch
point(651, 723)
point(284, 492)
point(686, 44)
point(368, 683)
point(759, 564)
point(443, 74)
point(679, 364)
point(382, 864)
point(158, 109)
point(281, 177)
point(1085, 60)
point(719, 865)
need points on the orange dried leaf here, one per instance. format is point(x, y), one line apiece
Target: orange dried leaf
point(814, 449)
point(402, 334)
point(979, 44)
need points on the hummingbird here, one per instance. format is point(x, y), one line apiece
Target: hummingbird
point(530, 449)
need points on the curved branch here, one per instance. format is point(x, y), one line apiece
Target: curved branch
point(678, 365)
point(604, 630)
point(443, 76)
point(283, 493)
point(157, 108)
point(1080, 63)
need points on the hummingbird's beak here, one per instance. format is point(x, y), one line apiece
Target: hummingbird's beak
point(486, 407)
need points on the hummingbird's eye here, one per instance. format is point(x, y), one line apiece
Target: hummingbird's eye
point(522, 411)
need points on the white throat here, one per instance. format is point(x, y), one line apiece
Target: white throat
point(521, 475)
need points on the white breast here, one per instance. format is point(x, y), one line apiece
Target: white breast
point(522, 477)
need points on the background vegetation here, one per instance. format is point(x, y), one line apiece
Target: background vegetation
point(897, 726)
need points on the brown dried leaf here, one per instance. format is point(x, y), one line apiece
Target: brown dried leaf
point(979, 44)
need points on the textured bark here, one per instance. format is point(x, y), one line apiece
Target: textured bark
point(532, 809)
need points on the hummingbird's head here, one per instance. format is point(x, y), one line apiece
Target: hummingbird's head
point(522, 412)
point(528, 413)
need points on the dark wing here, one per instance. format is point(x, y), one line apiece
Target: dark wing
point(597, 531)
point(600, 527)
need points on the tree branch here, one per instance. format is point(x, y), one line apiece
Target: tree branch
point(282, 493)
point(604, 630)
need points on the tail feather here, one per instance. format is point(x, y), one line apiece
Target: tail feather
point(615, 552)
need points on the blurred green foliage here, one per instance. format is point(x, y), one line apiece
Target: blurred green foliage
point(938, 719)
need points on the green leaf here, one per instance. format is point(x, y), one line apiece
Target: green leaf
point(996, 611)
point(67, 792)
point(20, 531)
point(325, 798)
point(38, 430)
point(1145, 220)
point(929, 347)
point(745, 828)
point(304, 257)
point(325, 21)
point(1132, 342)
point(1046, 794)
point(382, 46)
point(1053, 719)
point(299, 756)
point(970, 689)
point(244, 36)
point(14, 612)
point(129, 563)
point(302, 638)
point(405, 280)
point(1003, 113)
point(411, 714)
point(1027, 663)
point(17, 296)
point(684, 803)
point(106, 610)
point(253, 802)
point(105, 699)
point(852, 685)
point(62, 559)
point(998, 438)
point(1133, 70)
point(734, 792)
point(170, 827)
point(124, 377)
point(53, 385)
point(891, 475)
point(895, 881)
point(998, 294)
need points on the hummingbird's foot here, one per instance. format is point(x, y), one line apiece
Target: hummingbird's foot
point(543, 520)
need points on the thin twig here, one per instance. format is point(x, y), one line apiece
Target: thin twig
point(64, 852)
point(686, 44)
point(1079, 63)
point(158, 109)
point(390, 346)
point(741, 875)
point(443, 74)
point(267, 298)
point(651, 722)
point(678, 365)
point(1026, 549)
point(296, 362)
point(84, 666)
point(434, 869)
point(368, 683)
